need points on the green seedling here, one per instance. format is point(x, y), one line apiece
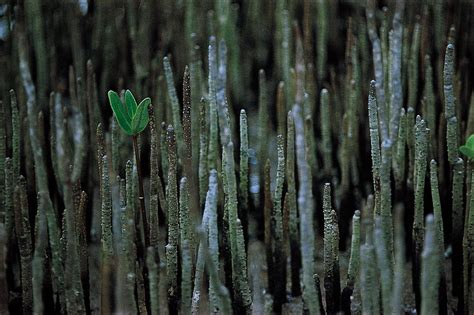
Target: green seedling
point(468, 148)
point(133, 119)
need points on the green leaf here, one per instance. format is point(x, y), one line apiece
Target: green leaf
point(470, 142)
point(141, 118)
point(123, 118)
point(131, 103)
point(467, 151)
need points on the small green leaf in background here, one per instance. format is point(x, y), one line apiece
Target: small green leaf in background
point(121, 114)
point(468, 148)
point(131, 103)
point(141, 118)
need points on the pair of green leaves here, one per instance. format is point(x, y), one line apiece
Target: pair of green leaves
point(468, 148)
point(132, 118)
